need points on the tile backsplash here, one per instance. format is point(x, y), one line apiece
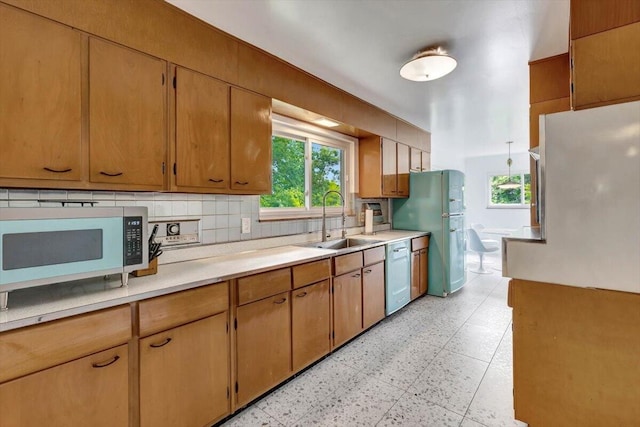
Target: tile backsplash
point(220, 215)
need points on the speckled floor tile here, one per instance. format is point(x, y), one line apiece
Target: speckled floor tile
point(475, 341)
point(252, 417)
point(493, 405)
point(504, 353)
point(491, 316)
point(291, 401)
point(450, 381)
point(411, 410)
point(470, 423)
point(362, 403)
point(404, 364)
point(360, 353)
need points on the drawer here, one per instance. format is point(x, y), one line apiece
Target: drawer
point(346, 263)
point(311, 272)
point(168, 311)
point(419, 243)
point(258, 286)
point(373, 255)
point(27, 350)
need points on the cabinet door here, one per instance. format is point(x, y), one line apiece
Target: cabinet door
point(424, 271)
point(250, 142)
point(347, 307)
point(263, 342)
point(426, 161)
point(415, 274)
point(184, 374)
point(389, 168)
point(126, 116)
point(311, 326)
point(202, 131)
point(40, 107)
point(372, 294)
point(403, 169)
point(91, 391)
point(416, 160)
point(605, 71)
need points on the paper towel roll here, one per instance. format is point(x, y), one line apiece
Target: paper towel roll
point(368, 221)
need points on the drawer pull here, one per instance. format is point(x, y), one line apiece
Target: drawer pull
point(105, 364)
point(57, 171)
point(110, 174)
point(367, 271)
point(216, 180)
point(356, 275)
point(280, 301)
point(162, 344)
point(242, 182)
point(304, 294)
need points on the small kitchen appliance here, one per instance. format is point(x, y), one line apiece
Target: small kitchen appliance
point(41, 246)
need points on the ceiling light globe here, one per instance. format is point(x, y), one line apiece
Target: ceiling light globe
point(428, 66)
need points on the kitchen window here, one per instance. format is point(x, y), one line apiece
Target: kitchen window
point(519, 197)
point(307, 161)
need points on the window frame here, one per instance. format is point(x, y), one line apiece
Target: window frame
point(521, 205)
point(291, 128)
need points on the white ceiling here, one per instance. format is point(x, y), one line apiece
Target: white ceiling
point(360, 45)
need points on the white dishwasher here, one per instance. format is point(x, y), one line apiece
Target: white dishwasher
point(398, 276)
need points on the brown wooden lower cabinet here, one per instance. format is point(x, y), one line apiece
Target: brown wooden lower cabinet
point(347, 306)
point(424, 271)
point(415, 274)
point(373, 295)
point(575, 355)
point(184, 374)
point(263, 346)
point(311, 323)
point(419, 266)
point(91, 391)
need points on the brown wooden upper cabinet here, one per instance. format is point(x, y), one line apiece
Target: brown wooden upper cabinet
point(606, 61)
point(202, 132)
point(383, 167)
point(250, 142)
point(41, 103)
point(127, 125)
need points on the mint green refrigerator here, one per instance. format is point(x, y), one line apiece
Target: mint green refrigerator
point(436, 204)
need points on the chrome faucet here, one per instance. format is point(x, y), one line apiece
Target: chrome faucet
point(324, 215)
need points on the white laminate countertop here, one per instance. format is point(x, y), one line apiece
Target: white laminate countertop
point(45, 303)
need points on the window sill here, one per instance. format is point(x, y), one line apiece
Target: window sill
point(508, 207)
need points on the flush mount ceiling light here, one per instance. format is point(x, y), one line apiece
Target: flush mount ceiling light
point(326, 122)
point(428, 64)
point(509, 185)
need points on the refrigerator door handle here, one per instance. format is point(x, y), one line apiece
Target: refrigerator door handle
point(453, 230)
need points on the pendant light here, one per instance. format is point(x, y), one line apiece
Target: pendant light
point(509, 185)
point(429, 64)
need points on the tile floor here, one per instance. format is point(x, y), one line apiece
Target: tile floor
point(437, 362)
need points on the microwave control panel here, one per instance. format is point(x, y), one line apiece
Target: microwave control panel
point(133, 240)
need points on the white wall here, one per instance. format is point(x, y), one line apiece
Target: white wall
point(477, 171)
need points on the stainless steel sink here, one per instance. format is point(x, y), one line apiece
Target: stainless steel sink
point(341, 243)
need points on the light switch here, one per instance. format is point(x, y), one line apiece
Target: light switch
point(246, 225)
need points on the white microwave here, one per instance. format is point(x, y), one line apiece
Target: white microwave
point(41, 246)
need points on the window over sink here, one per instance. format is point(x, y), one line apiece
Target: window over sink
point(308, 161)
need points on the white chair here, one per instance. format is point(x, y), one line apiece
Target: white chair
point(487, 242)
point(476, 245)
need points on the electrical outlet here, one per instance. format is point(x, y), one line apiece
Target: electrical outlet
point(246, 225)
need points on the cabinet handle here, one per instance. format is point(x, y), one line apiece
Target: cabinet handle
point(400, 250)
point(162, 344)
point(367, 271)
point(216, 180)
point(280, 301)
point(57, 171)
point(105, 364)
point(242, 182)
point(304, 294)
point(356, 275)
point(110, 174)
